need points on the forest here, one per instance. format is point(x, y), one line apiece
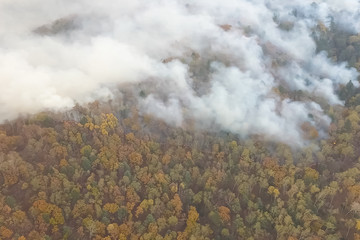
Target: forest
point(104, 177)
point(108, 170)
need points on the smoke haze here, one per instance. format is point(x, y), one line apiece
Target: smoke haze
point(212, 61)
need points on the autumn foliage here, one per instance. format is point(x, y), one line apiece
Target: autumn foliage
point(107, 176)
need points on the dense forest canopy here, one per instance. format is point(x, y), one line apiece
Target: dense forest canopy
point(179, 120)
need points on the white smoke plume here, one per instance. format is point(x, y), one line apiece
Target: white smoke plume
point(211, 61)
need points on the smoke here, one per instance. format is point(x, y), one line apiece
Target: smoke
point(217, 62)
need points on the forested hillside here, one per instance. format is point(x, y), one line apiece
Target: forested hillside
point(186, 120)
point(107, 177)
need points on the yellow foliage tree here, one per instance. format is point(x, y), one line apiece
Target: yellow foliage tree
point(135, 159)
point(176, 202)
point(5, 232)
point(273, 191)
point(113, 230)
point(166, 159)
point(111, 207)
point(224, 213)
point(311, 174)
point(193, 216)
point(358, 224)
point(144, 205)
point(54, 211)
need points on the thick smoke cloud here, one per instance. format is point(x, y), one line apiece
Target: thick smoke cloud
point(212, 61)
